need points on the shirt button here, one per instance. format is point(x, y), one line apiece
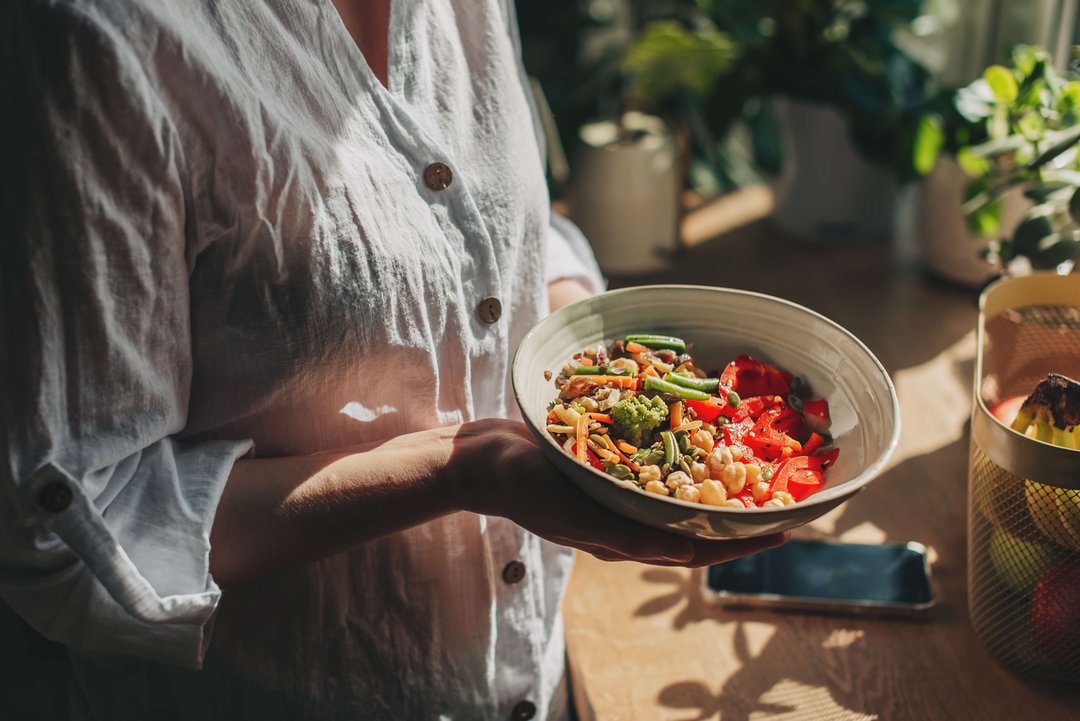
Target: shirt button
point(490, 309)
point(55, 497)
point(438, 176)
point(513, 572)
point(523, 711)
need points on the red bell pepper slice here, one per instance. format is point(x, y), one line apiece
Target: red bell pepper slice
point(748, 408)
point(814, 442)
point(799, 475)
point(705, 411)
point(828, 457)
point(750, 377)
point(816, 413)
point(593, 460)
point(767, 439)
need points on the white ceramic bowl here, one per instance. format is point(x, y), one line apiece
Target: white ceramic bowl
point(720, 323)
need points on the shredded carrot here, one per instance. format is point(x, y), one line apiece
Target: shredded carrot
point(604, 453)
point(689, 426)
point(650, 371)
point(626, 447)
point(580, 435)
point(628, 382)
point(675, 414)
point(632, 347)
point(602, 417)
point(585, 361)
point(629, 463)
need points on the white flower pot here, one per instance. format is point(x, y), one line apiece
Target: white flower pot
point(826, 191)
point(940, 230)
point(623, 193)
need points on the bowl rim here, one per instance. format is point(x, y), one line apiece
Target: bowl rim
point(828, 495)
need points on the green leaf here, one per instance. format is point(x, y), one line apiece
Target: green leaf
point(1055, 252)
point(974, 165)
point(997, 125)
point(1064, 141)
point(1042, 192)
point(1074, 206)
point(1032, 229)
point(1031, 125)
point(984, 220)
point(929, 139)
point(1002, 82)
point(976, 101)
point(668, 58)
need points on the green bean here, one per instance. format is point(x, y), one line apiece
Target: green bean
point(658, 341)
point(733, 399)
point(685, 466)
point(652, 383)
point(683, 439)
point(588, 371)
point(671, 448)
point(707, 385)
point(795, 402)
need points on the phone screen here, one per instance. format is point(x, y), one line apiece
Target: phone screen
point(886, 574)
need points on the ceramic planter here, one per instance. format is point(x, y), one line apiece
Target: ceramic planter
point(826, 191)
point(623, 193)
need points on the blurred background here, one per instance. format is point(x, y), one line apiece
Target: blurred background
point(944, 126)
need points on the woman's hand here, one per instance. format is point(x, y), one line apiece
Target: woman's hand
point(277, 512)
point(499, 470)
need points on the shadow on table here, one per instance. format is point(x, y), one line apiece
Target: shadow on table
point(858, 663)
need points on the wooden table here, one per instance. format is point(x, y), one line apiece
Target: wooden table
point(644, 645)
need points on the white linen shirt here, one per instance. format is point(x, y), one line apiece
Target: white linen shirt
point(222, 243)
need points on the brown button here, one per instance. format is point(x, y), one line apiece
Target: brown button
point(513, 572)
point(523, 711)
point(55, 497)
point(490, 309)
point(438, 176)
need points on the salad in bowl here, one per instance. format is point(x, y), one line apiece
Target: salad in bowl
point(693, 365)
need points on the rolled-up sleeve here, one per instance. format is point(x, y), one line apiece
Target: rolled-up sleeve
point(104, 516)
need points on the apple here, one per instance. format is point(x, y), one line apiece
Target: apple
point(1055, 616)
point(1019, 563)
point(1006, 410)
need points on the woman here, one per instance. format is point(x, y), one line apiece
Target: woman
point(270, 264)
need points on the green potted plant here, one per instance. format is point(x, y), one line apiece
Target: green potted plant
point(1004, 195)
point(843, 89)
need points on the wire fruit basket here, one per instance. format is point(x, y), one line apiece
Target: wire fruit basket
point(1023, 493)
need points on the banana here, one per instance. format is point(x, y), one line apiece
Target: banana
point(1052, 414)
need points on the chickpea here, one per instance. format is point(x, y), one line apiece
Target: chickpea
point(688, 493)
point(785, 498)
point(649, 473)
point(656, 487)
point(720, 457)
point(713, 493)
point(734, 477)
point(678, 478)
point(760, 491)
point(702, 440)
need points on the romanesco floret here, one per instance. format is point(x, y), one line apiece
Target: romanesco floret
point(636, 418)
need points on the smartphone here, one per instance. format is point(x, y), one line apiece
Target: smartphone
point(887, 580)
